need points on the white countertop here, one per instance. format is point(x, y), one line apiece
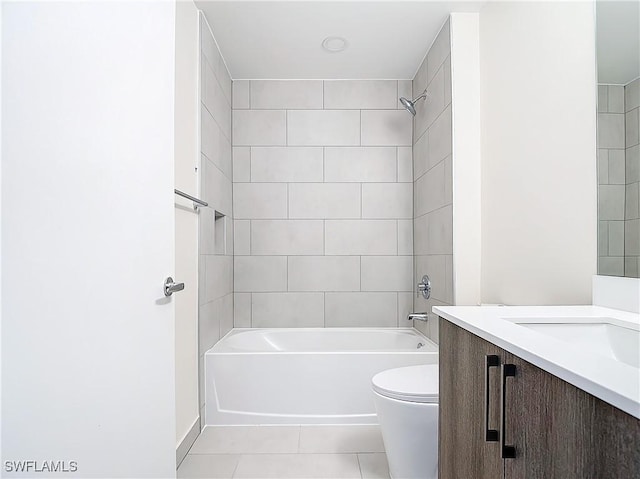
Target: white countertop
point(612, 381)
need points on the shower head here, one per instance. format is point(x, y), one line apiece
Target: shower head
point(410, 105)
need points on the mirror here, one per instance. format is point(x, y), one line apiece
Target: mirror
point(618, 57)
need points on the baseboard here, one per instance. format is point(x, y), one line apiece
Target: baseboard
point(187, 442)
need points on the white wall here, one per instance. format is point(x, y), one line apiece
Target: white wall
point(322, 203)
point(186, 179)
point(538, 101)
point(467, 219)
point(87, 223)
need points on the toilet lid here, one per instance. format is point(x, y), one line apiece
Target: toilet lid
point(413, 383)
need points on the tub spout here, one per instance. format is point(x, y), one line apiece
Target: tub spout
point(418, 316)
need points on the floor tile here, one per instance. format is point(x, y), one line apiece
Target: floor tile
point(247, 439)
point(220, 440)
point(374, 466)
point(340, 439)
point(273, 439)
point(208, 466)
point(298, 466)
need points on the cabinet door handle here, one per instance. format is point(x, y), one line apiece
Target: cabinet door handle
point(508, 452)
point(490, 361)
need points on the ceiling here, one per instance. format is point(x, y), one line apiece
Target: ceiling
point(282, 39)
point(618, 41)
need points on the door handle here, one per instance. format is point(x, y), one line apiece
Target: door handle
point(508, 452)
point(490, 361)
point(171, 287)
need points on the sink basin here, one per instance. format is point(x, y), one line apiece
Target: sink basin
point(603, 336)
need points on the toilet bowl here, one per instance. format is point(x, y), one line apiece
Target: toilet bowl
point(406, 401)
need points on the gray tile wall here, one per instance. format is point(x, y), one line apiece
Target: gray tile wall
point(611, 179)
point(216, 222)
point(632, 180)
point(432, 168)
point(322, 200)
point(618, 180)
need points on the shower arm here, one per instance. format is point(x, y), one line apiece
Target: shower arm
point(422, 95)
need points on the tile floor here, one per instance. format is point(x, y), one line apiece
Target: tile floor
point(287, 452)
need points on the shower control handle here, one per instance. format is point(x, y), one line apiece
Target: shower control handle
point(171, 287)
point(424, 287)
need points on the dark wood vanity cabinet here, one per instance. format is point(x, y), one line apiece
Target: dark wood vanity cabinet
point(547, 429)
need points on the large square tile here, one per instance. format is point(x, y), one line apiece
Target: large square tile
point(361, 237)
point(632, 130)
point(240, 94)
point(259, 200)
point(360, 164)
point(387, 200)
point(287, 237)
point(283, 310)
point(323, 127)
point(374, 466)
point(286, 164)
point(355, 310)
point(286, 94)
point(386, 128)
point(298, 466)
point(259, 127)
point(208, 466)
point(260, 274)
point(340, 439)
point(360, 94)
point(611, 130)
point(324, 200)
point(220, 440)
point(387, 273)
point(324, 273)
point(247, 439)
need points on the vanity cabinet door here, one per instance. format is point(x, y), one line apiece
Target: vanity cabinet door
point(560, 431)
point(464, 451)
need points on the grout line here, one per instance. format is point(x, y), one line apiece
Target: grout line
point(324, 309)
point(324, 165)
point(251, 310)
point(324, 237)
point(359, 465)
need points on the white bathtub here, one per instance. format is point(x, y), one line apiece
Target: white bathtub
point(305, 375)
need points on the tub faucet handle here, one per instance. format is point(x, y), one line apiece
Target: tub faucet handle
point(418, 316)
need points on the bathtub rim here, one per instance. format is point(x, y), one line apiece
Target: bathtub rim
point(419, 334)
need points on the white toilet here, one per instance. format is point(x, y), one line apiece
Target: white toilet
point(406, 401)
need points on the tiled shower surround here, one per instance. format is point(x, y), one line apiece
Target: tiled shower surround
point(432, 169)
point(632, 180)
point(619, 179)
point(322, 200)
point(216, 222)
